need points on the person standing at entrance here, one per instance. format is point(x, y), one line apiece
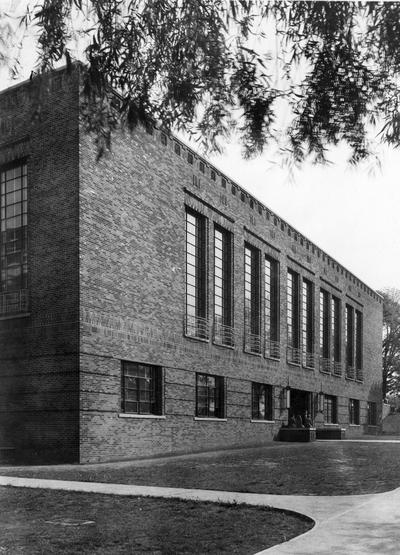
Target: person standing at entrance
point(299, 421)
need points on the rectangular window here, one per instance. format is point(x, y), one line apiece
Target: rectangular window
point(196, 276)
point(349, 332)
point(308, 323)
point(330, 409)
point(141, 388)
point(223, 317)
point(13, 239)
point(336, 336)
point(272, 344)
point(354, 411)
point(372, 414)
point(324, 335)
point(252, 299)
point(210, 396)
point(262, 402)
point(293, 315)
point(358, 345)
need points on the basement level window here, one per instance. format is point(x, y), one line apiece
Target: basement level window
point(354, 411)
point(141, 388)
point(372, 414)
point(330, 409)
point(210, 396)
point(262, 402)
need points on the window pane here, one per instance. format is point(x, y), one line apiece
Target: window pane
point(196, 276)
point(209, 396)
point(252, 307)
point(223, 315)
point(141, 383)
point(293, 309)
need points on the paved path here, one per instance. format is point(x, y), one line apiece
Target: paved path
point(364, 524)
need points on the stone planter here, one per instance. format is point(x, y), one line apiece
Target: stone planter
point(331, 433)
point(296, 434)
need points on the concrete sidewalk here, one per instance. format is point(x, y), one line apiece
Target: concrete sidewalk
point(364, 524)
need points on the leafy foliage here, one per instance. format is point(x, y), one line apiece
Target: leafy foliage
point(391, 341)
point(205, 66)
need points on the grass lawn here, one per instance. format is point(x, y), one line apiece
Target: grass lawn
point(46, 522)
point(320, 468)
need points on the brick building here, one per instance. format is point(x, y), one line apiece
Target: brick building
point(148, 304)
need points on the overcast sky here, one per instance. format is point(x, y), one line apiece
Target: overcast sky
point(352, 213)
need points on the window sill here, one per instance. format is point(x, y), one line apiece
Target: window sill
point(251, 353)
point(333, 424)
point(205, 419)
point(257, 421)
point(217, 344)
point(150, 416)
point(13, 316)
point(196, 338)
point(297, 364)
point(311, 368)
point(276, 359)
point(354, 425)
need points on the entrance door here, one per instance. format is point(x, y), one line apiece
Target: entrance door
point(301, 402)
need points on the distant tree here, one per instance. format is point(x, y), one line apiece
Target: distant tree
point(391, 341)
point(206, 66)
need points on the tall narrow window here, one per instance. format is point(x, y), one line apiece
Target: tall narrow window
point(358, 345)
point(372, 420)
point(324, 336)
point(336, 336)
point(272, 345)
point(349, 330)
point(13, 240)
point(223, 320)
point(330, 409)
point(308, 323)
point(196, 276)
point(141, 388)
point(252, 299)
point(293, 314)
point(262, 402)
point(354, 411)
point(210, 397)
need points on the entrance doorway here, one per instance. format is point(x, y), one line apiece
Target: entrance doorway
point(301, 402)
